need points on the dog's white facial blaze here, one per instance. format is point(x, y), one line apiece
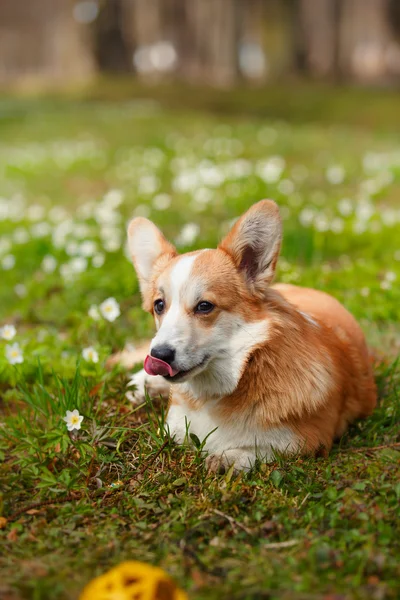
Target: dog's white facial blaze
point(174, 328)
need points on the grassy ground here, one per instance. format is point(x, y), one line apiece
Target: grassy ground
point(71, 173)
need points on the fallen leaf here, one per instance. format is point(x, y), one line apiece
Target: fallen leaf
point(95, 389)
point(12, 536)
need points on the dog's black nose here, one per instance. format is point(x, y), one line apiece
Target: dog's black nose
point(163, 352)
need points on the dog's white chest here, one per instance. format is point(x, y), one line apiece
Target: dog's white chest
point(232, 434)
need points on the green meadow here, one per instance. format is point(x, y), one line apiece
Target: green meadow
point(73, 170)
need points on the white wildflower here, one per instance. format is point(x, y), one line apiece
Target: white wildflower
point(49, 264)
point(142, 210)
point(7, 332)
point(203, 196)
point(113, 198)
point(321, 222)
point(390, 276)
point(286, 187)
point(306, 216)
point(161, 202)
point(110, 309)
point(98, 260)
point(345, 207)
point(78, 264)
point(90, 355)
point(335, 174)
point(14, 354)
point(5, 245)
point(188, 234)
point(35, 212)
point(148, 184)
point(112, 245)
point(40, 230)
point(8, 262)
point(73, 419)
point(20, 290)
point(337, 225)
point(93, 312)
point(271, 170)
point(21, 235)
point(72, 248)
point(57, 214)
point(87, 248)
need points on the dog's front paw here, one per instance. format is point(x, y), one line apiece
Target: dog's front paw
point(220, 463)
point(138, 382)
point(217, 463)
point(154, 385)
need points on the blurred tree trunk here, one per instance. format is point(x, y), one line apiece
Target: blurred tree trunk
point(366, 38)
point(113, 38)
point(40, 40)
point(278, 39)
point(318, 24)
point(212, 41)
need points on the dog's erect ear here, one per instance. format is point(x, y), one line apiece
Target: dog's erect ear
point(146, 246)
point(254, 243)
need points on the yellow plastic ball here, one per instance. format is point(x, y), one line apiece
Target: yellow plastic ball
point(133, 580)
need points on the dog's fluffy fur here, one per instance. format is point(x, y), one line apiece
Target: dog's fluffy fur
point(270, 368)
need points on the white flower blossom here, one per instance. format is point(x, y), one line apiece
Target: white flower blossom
point(93, 312)
point(7, 332)
point(161, 202)
point(90, 355)
point(345, 207)
point(286, 187)
point(73, 419)
point(20, 290)
point(14, 354)
point(87, 248)
point(113, 198)
point(78, 264)
point(110, 309)
point(188, 234)
point(49, 264)
point(21, 235)
point(335, 174)
point(390, 276)
point(98, 260)
point(8, 262)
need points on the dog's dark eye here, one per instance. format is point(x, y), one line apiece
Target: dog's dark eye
point(204, 307)
point(159, 306)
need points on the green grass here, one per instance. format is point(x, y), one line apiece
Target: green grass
point(297, 528)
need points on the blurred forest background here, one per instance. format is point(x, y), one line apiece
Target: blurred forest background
point(215, 42)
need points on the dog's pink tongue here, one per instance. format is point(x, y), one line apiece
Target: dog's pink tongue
point(155, 366)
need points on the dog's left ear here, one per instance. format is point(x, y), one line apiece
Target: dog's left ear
point(146, 246)
point(254, 243)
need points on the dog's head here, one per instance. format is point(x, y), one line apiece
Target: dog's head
point(208, 305)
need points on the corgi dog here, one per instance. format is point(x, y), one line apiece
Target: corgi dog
point(254, 368)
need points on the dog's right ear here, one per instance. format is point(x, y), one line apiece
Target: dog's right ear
point(146, 246)
point(254, 243)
